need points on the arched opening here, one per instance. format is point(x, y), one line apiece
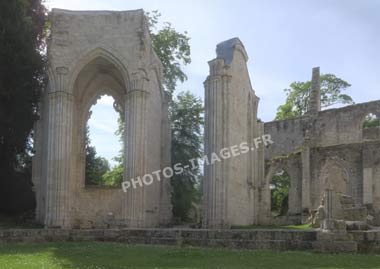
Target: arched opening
point(279, 187)
point(99, 90)
point(371, 121)
point(104, 144)
point(334, 176)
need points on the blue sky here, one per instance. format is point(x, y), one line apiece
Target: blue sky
point(284, 40)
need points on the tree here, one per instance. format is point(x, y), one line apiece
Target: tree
point(298, 95)
point(371, 121)
point(296, 104)
point(22, 32)
point(186, 126)
point(280, 192)
point(114, 177)
point(173, 49)
point(96, 166)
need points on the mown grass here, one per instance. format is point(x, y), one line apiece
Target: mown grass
point(97, 255)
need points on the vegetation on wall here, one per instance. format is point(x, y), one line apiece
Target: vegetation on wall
point(298, 95)
point(296, 105)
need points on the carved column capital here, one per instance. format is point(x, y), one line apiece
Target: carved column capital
point(138, 80)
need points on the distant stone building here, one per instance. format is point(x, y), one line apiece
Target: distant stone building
point(323, 150)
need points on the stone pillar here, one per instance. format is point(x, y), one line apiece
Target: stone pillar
point(58, 153)
point(367, 186)
point(295, 191)
point(315, 94)
point(38, 184)
point(216, 137)
point(305, 157)
point(263, 201)
point(135, 152)
point(165, 214)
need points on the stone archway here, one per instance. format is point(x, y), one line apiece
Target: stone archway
point(77, 76)
point(334, 176)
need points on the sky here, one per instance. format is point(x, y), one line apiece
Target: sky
point(284, 41)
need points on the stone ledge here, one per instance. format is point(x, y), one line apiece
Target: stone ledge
point(278, 240)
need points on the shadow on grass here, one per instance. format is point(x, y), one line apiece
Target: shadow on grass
point(87, 255)
point(18, 222)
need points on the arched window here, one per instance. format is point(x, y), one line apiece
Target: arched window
point(103, 144)
point(371, 121)
point(280, 186)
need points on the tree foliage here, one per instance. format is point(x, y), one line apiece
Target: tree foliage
point(298, 95)
point(371, 121)
point(114, 177)
point(21, 75)
point(21, 82)
point(186, 126)
point(173, 49)
point(280, 193)
point(96, 166)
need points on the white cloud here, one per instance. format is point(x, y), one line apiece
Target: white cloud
point(106, 100)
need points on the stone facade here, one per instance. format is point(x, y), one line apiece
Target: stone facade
point(232, 188)
point(322, 150)
point(91, 53)
point(333, 152)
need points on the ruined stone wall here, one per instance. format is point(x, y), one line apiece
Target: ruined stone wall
point(326, 128)
point(334, 145)
point(91, 53)
point(231, 186)
point(336, 152)
point(338, 168)
point(288, 136)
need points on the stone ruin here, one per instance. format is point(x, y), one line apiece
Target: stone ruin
point(333, 163)
point(331, 159)
point(91, 53)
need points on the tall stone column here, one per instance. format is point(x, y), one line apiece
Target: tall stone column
point(135, 152)
point(306, 177)
point(216, 137)
point(315, 95)
point(38, 184)
point(58, 153)
point(165, 214)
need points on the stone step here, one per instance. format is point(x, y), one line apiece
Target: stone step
point(335, 246)
point(357, 226)
point(355, 214)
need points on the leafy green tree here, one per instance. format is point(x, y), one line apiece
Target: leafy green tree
point(173, 49)
point(297, 96)
point(296, 104)
point(371, 121)
point(280, 193)
point(22, 25)
point(114, 177)
point(96, 166)
point(187, 120)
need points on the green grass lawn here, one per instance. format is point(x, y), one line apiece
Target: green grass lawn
point(88, 255)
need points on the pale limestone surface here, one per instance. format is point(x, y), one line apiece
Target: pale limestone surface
point(91, 53)
point(234, 189)
point(323, 150)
